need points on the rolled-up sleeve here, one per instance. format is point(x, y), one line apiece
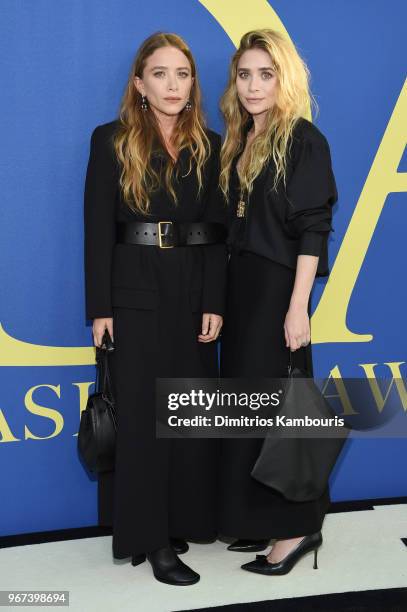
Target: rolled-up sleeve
point(215, 255)
point(99, 224)
point(311, 192)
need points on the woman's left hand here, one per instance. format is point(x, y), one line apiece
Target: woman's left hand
point(297, 328)
point(211, 326)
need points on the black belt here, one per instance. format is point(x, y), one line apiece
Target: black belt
point(168, 234)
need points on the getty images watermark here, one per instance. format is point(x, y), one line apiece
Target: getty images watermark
point(296, 407)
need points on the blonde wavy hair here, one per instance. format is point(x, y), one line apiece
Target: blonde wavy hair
point(139, 132)
point(292, 99)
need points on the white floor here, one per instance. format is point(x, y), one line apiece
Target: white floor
point(361, 550)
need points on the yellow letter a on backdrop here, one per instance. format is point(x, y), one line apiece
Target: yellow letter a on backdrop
point(329, 318)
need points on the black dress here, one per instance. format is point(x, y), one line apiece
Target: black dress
point(264, 246)
point(156, 298)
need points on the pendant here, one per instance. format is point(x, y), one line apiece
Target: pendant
point(240, 208)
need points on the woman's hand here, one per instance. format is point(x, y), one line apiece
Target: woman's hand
point(211, 326)
point(296, 327)
point(99, 326)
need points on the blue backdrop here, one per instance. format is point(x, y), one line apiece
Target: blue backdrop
point(64, 68)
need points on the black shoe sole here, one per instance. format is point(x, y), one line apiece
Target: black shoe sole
point(258, 548)
point(177, 583)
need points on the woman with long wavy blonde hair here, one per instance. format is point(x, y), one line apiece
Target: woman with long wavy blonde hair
point(277, 177)
point(155, 267)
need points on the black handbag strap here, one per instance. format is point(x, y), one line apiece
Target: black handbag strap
point(307, 371)
point(290, 365)
point(103, 380)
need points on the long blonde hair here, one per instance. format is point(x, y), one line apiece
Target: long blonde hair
point(138, 131)
point(292, 98)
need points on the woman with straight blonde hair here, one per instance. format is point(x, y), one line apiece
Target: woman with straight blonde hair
point(276, 174)
point(155, 266)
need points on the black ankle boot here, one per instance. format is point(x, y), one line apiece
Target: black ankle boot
point(248, 545)
point(168, 568)
point(179, 545)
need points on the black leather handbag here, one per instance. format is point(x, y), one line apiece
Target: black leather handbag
point(98, 424)
point(299, 467)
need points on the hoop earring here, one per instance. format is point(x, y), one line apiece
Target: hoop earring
point(188, 106)
point(144, 105)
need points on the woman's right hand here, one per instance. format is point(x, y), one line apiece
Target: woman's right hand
point(99, 326)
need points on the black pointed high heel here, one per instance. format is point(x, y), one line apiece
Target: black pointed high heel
point(248, 545)
point(261, 566)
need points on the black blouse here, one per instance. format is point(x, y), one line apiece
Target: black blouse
point(295, 220)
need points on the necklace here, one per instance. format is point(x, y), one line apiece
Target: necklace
point(241, 206)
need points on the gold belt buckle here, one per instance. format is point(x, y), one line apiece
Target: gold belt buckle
point(171, 246)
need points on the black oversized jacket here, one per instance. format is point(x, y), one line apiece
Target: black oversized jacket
point(297, 218)
point(105, 268)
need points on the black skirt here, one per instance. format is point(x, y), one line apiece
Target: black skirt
point(253, 345)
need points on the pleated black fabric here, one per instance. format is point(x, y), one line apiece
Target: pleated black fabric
point(253, 345)
point(152, 495)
